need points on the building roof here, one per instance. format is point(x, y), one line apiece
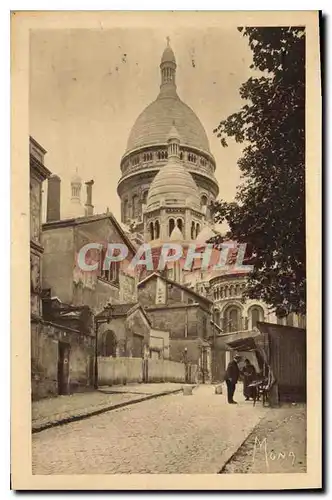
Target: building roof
point(161, 113)
point(173, 185)
point(138, 307)
point(88, 219)
point(122, 309)
point(168, 55)
point(174, 283)
point(154, 123)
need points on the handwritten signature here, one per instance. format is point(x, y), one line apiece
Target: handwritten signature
point(271, 455)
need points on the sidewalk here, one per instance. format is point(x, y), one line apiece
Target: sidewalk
point(59, 410)
point(276, 445)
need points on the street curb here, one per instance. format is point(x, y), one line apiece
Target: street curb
point(232, 453)
point(116, 406)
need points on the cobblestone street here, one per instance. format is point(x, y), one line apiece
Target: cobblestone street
point(170, 434)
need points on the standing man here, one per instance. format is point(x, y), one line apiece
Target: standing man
point(231, 377)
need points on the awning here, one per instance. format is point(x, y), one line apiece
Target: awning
point(242, 341)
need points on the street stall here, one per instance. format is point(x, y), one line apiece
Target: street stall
point(280, 353)
point(250, 345)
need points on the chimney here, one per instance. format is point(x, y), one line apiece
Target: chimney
point(53, 198)
point(88, 204)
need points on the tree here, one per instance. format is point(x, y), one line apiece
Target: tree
point(269, 209)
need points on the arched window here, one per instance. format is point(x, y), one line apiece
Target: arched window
point(157, 229)
point(232, 319)
point(109, 344)
point(135, 206)
point(256, 314)
point(204, 200)
point(192, 233)
point(171, 226)
point(179, 223)
point(151, 231)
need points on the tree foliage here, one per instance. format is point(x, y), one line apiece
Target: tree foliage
point(269, 209)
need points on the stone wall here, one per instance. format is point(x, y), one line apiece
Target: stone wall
point(119, 370)
point(58, 262)
point(45, 338)
point(178, 346)
point(146, 292)
point(162, 370)
point(112, 371)
point(181, 321)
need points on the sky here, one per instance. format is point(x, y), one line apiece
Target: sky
point(88, 86)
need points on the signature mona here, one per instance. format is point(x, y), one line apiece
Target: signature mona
point(271, 455)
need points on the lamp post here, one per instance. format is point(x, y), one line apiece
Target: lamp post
point(104, 317)
point(185, 360)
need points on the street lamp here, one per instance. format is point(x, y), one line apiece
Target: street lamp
point(103, 317)
point(185, 360)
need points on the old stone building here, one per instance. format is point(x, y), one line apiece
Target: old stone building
point(185, 314)
point(64, 239)
point(61, 335)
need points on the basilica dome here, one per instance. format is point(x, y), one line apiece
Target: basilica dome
point(173, 185)
point(153, 124)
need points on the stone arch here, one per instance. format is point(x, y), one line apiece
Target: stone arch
point(232, 318)
point(204, 200)
point(255, 314)
point(179, 224)
point(109, 344)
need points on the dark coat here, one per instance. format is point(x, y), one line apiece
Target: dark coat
point(232, 372)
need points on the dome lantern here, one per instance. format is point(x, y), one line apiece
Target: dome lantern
point(168, 68)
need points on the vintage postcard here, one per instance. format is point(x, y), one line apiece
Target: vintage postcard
point(166, 175)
